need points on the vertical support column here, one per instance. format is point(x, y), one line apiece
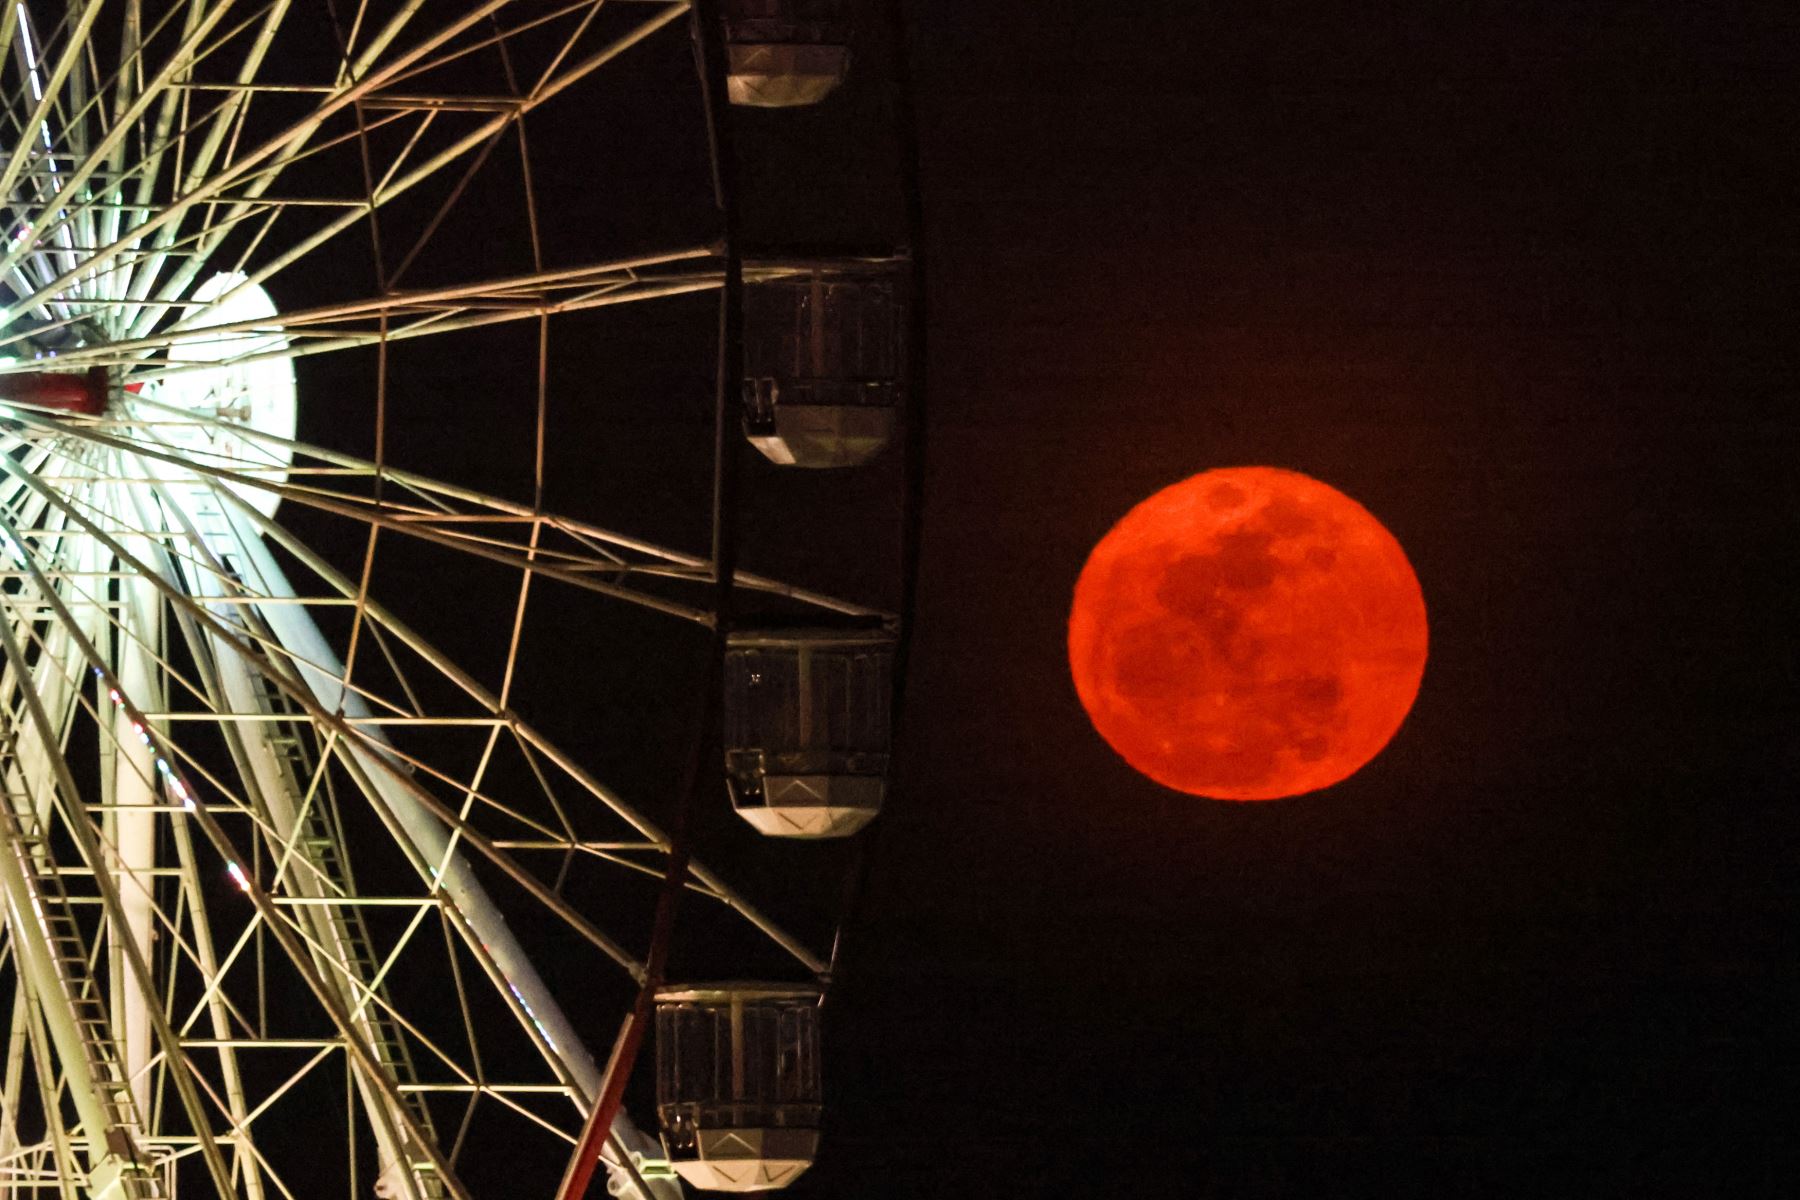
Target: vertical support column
point(11, 1076)
point(134, 832)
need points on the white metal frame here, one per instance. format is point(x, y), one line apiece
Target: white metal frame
point(168, 704)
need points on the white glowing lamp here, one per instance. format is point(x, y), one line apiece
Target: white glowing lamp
point(240, 385)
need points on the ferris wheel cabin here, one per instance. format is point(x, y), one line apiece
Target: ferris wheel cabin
point(785, 53)
point(738, 1090)
point(824, 344)
point(807, 729)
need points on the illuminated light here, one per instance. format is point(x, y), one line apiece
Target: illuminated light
point(211, 377)
point(237, 876)
point(548, 1040)
point(1247, 634)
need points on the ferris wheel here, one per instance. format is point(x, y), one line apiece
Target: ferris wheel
point(297, 902)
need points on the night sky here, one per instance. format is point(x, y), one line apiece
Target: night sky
point(1514, 277)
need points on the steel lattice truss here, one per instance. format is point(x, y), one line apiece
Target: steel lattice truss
point(188, 954)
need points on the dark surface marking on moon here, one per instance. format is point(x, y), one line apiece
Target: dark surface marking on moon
point(1210, 654)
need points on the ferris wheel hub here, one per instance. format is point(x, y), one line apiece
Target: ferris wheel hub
point(82, 392)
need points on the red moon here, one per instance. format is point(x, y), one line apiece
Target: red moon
point(1247, 634)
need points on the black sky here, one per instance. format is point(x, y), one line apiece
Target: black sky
point(1518, 278)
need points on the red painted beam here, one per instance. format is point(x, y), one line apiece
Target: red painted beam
point(82, 392)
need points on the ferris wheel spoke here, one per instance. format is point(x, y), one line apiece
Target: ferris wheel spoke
point(392, 182)
point(44, 92)
point(210, 189)
point(590, 575)
point(404, 315)
point(228, 115)
point(180, 59)
point(590, 558)
point(498, 114)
